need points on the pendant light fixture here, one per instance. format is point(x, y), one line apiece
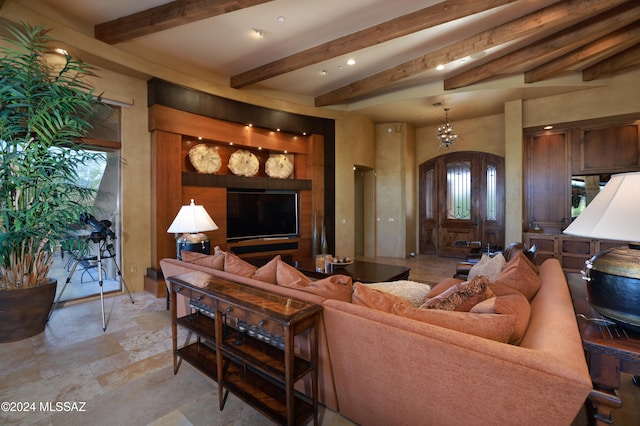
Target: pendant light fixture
point(446, 135)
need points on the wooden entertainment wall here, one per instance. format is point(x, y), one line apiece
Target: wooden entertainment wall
point(175, 182)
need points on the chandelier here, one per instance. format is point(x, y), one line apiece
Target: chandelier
point(446, 135)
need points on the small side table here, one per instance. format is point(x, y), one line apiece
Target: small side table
point(609, 349)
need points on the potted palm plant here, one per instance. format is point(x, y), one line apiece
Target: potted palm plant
point(45, 110)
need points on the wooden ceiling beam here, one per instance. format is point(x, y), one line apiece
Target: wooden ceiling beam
point(166, 16)
point(608, 45)
point(618, 62)
point(558, 15)
point(550, 47)
point(404, 25)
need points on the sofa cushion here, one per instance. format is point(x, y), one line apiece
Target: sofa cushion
point(339, 287)
point(210, 261)
point(375, 299)
point(413, 291)
point(488, 266)
point(234, 265)
point(520, 274)
point(490, 326)
point(462, 296)
point(267, 272)
point(507, 302)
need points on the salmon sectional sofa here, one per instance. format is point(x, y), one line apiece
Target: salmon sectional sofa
point(513, 359)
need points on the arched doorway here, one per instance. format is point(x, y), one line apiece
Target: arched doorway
point(461, 200)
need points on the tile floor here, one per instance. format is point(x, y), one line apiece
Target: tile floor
point(124, 375)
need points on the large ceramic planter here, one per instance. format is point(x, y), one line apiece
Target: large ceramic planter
point(24, 313)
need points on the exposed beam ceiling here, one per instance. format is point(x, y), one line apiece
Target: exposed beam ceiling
point(512, 49)
point(550, 47)
point(166, 16)
point(404, 25)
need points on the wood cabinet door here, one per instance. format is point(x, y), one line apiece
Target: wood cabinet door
point(548, 181)
point(461, 200)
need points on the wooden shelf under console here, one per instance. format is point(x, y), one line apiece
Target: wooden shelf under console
point(245, 342)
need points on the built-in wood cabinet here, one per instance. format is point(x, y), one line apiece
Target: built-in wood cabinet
point(554, 156)
point(609, 149)
point(547, 180)
point(572, 252)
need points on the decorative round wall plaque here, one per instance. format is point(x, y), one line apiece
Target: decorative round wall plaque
point(278, 166)
point(205, 159)
point(243, 163)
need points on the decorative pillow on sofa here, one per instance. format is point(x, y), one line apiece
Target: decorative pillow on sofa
point(267, 272)
point(490, 326)
point(461, 297)
point(488, 266)
point(507, 302)
point(339, 287)
point(520, 274)
point(234, 265)
point(287, 274)
point(364, 295)
point(210, 261)
point(413, 291)
point(443, 285)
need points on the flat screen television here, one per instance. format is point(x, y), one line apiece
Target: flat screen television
point(261, 214)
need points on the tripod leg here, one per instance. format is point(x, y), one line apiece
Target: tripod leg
point(66, 283)
point(122, 278)
point(104, 325)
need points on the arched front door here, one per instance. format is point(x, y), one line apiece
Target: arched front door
point(461, 200)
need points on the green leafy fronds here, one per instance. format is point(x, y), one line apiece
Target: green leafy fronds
point(44, 108)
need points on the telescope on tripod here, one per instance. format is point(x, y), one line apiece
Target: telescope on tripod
point(103, 237)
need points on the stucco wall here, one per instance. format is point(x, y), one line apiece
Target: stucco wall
point(354, 141)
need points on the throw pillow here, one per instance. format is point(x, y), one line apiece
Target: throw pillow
point(365, 296)
point(508, 302)
point(267, 272)
point(520, 274)
point(413, 291)
point(443, 285)
point(488, 266)
point(490, 326)
point(287, 275)
point(337, 287)
point(461, 297)
point(210, 261)
point(234, 265)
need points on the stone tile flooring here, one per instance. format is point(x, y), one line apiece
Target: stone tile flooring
point(124, 376)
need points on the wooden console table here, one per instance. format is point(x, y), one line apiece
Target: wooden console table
point(245, 343)
point(609, 349)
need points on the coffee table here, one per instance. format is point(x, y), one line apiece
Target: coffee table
point(359, 270)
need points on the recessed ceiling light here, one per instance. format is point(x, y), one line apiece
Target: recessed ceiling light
point(440, 67)
point(281, 18)
point(351, 62)
point(324, 72)
point(258, 33)
point(548, 127)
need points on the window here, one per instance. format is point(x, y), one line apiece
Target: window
point(492, 188)
point(428, 194)
point(459, 190)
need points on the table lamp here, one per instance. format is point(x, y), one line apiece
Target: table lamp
point(613, 276)
point(191, 222)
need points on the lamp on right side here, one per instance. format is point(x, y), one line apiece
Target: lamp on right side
point(613, 276)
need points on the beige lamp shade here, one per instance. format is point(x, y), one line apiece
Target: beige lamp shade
point(192, 219)
point(613, 214)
